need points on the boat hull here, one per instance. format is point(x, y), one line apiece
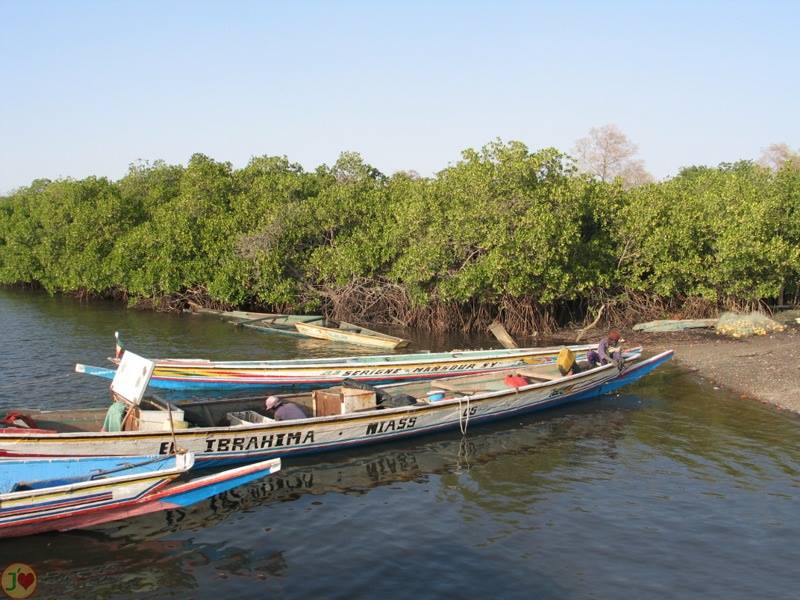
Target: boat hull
point(178, 374)
point(308, 436)
point(333, 334)
point(281, 324)
point(165, 494)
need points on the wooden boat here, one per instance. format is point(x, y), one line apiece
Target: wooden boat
point(236, 429)
point(263, 322)
point(348, 333)
point(315, 326)
point(668, 325)
point(38, 495)
point(199, 374)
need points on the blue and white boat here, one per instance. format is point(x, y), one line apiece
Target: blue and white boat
point(38, 495)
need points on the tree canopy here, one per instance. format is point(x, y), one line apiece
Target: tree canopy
point(503, 230)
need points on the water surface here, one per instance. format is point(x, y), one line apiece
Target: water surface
point(670, 489)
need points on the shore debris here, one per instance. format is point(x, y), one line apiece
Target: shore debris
point(787, 317)
point(590, 325)
point(666, 325)
point(502, 335)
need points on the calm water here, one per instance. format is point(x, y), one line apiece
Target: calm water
point(669, 490)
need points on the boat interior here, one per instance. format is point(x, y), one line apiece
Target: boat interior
point(278, 322)
point(158, 414)
point(27, 475)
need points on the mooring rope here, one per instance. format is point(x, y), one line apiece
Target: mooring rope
point(462, 462)
point(463, 415)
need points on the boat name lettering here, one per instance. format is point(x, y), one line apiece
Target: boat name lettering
point(253, 442)
point(448, 368)
point(393, 425)
point(458, 367)
point(356, 372)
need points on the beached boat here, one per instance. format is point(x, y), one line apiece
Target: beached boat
point(236, 429)
point(315, 326)
point(341, 331)
point(38, 495)
point(263, 322)
point(199, 374)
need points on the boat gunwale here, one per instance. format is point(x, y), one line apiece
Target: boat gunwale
point(180, 468)
point(363, 332)
point(366, 360)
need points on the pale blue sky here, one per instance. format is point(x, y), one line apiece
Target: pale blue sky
point(88, 87)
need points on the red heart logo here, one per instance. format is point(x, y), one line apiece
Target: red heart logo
point(26, 579)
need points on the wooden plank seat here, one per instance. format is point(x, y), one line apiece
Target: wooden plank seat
point(537, 374)
point(451, 386)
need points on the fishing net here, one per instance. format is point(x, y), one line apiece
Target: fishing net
point(738, 325)
point(787, 317)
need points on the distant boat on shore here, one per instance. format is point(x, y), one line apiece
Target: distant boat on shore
point(342, 331)
point(315, 326)
point(263, 322)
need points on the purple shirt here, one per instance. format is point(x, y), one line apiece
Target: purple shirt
point(602, 350)
point(287, 411)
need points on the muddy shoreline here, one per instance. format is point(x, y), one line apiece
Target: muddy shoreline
point(764, 368)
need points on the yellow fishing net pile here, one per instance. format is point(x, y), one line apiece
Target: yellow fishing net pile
point(738, 325)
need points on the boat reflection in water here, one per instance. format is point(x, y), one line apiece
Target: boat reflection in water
point(543, 444)
point(187, 549)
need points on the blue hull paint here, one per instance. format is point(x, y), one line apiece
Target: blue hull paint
point(200, 386)
point(200, 494)
point(168, 384)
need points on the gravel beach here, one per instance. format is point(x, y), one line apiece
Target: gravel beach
point(764, 368)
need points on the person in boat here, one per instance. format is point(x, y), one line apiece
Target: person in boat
point(284, 410)
point(608, 350)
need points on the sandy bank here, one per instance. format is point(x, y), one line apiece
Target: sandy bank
point(765, 368)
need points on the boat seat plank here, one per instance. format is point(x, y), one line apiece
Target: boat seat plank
point(450, 386)
point(537, 373)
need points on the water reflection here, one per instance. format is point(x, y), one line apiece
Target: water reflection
point(93, 564)
point(673, 489)
point(144, 555)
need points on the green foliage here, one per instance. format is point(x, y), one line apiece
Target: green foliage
point(503, 222)
point(727, 234)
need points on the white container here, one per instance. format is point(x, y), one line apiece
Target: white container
point(247, 417)
point(158, 420)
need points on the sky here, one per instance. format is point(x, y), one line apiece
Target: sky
point(87, 88)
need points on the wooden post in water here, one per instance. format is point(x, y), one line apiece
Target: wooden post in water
point(502, 335)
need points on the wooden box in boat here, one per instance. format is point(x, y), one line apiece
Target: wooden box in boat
point(340, 400)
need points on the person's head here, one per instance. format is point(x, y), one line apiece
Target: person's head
point(272, 402)
point(614, 336)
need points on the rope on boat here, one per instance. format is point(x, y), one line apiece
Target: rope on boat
point(463, 415)
point(462, 462)
point(175, 449)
